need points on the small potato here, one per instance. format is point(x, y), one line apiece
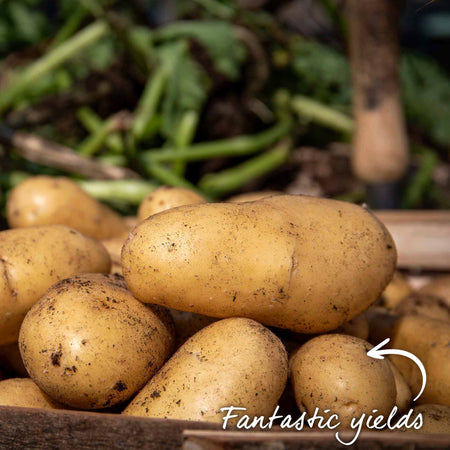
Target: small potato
point(44, 200)
point(333, 372)
point(33, 259)
point(425, 305)
point(25, 393)
point(294, 262)
point(436, 419)
point(232, 362)
point(429, 340)
point(439, 287)
point(166, 197)
point(252, 196)
point(88, 343)
point(396, 291)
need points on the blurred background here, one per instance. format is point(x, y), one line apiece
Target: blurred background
point(221, 96)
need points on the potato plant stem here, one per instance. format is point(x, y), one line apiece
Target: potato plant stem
point(50, 61)
point(129, 191)
point(238, 146)
point(183, 137)
point(322, 114)
point(231, 179)
point(71, 25)
point(93, 143)
point(149, 101)
point(92, 122)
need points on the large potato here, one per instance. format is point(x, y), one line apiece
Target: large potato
point(33, 259)
point(293, 262)
point(25, 393)
point(232, 362)
point(334, 372)
point(44, 200)
point(166, 197)
point(429, 340)
point(90, 344)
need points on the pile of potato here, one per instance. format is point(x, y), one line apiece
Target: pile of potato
point(220, 304)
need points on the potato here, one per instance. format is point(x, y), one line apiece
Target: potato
point(166, 197)
point(404, 394)
point(232, 362)
point(439, 287)
point(88, 343)
point(25, 393)
point(294, 262)
point(425, 305)
point(32, 259)
point(44, 200)
point(429, 340)
point(252, 196)
point(334, 372)
point(436, 419)
point(396, 291)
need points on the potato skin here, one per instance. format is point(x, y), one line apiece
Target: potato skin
point(429, 340)
point(90, 344)
point(252, 196)
point(167, 197)
point(404, 394)
point(44, 200)
point(25, 393)
point(438, 286)
point(333, 372)
point(33, 259)
point(232, 362)
point(294, 262)
point(436, 419)
point(425, 305)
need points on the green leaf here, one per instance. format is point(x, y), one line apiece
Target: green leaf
point(217, 37)
point(323, 73)
point(187, 85)
point(29, 25)
point(426, 93)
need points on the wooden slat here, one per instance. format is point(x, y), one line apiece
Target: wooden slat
point(422, 238)
point(311, 440)
point(30, 428)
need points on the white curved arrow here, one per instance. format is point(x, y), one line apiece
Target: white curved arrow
point(377, 353)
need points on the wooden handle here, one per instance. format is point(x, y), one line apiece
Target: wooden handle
point(380, 148)
point(422, 238)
